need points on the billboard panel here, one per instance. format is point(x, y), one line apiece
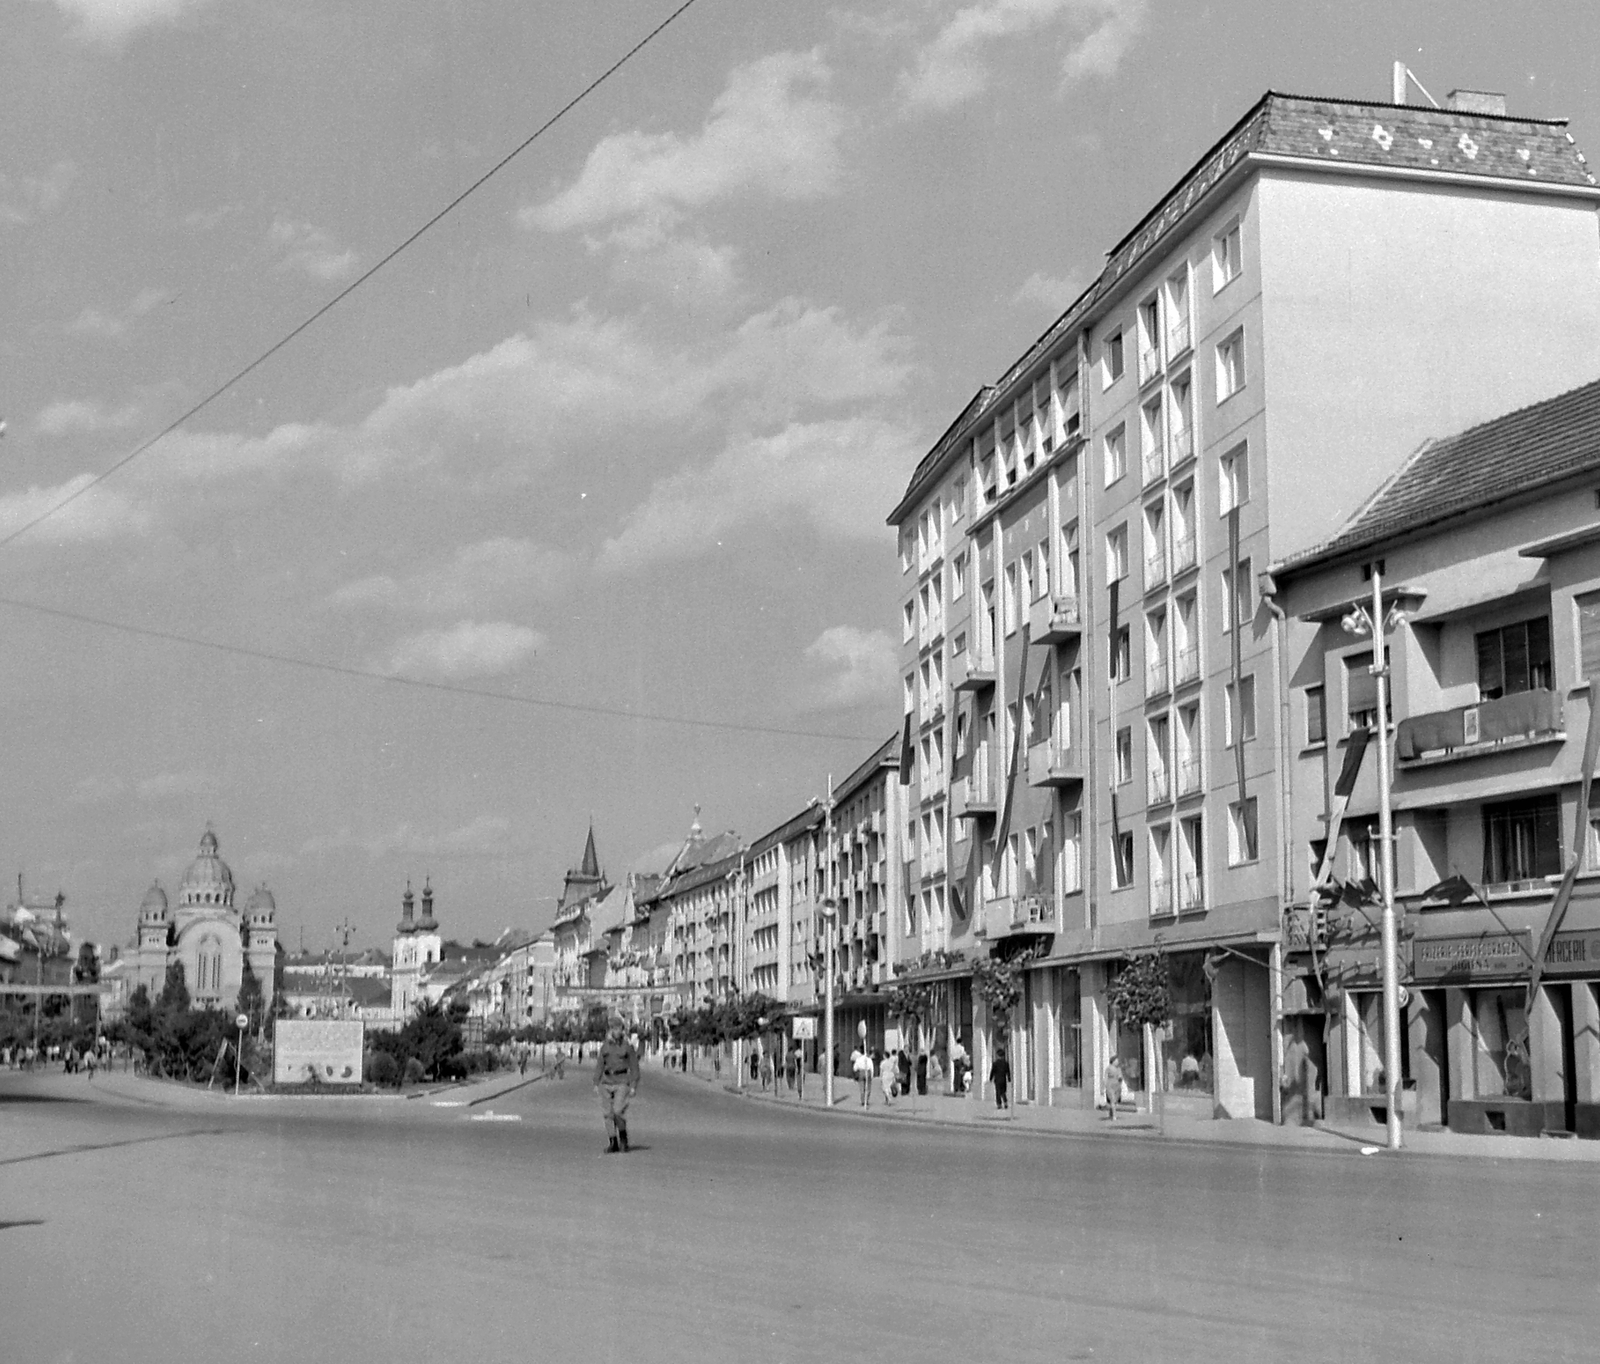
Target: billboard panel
point(325, 1050)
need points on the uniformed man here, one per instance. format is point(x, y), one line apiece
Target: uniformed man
point(616, 1080)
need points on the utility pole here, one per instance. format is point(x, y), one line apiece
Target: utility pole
point(345, 931)
point(830, 916)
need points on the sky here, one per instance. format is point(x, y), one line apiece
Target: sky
point(619, 433)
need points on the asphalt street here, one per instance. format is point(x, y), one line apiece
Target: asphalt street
point(157, 1226)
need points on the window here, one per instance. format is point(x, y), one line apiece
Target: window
point(908, 620)
point(1042, 586)
point(1069, 578)
point(1117, 554)
point(1242, 846)
point(1116, 448)
point(1121, 665)
point(1071, 406)
point(1124, 771)
point(1522, 839)
point(1158, 757)
point(1008, 456)
point(1155, 652)
point(1010, 606)
point(1155, 544)
point(1587, 605)
point(910, 688)
point(1186, 637)
point(958, 499)
point(1071, 861)
point(1178, 313)
point(1028, 592)
point(1235, 482)
point(1361, 693)
point(1112, 358)
point(1191, 863)
point(1161, 869)
point(1122, 858)
point(1189, 749)
point(1149, 339)
point(1316, 717)
point(1180, 418)
point(958, 577)
point(1514, 658)
point(1238, 595)
point(1150, 443)
point(1183, 542)
point(1227, 256)
point(1247, 711)
point(906, 552)
point(1230, 366)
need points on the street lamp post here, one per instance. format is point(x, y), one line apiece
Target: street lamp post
point(1375, 622)
point(830, 917)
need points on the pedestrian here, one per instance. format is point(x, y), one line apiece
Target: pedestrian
point(903, 1071)
point(1113, 1085)
point(1000, 1078)
point(522, 1061)
point(616, 1080)
point(861, 1068)
point(799, 1059)
point(888, 1074)
point(89, 1062)
point(959, 1065)
point(766, 1072)
point(922, 1072)
point(755, 1065)
point(935, 1069)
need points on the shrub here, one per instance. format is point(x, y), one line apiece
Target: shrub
point(414, 1072)
point(381, 1069)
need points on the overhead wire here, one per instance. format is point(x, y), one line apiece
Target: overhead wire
point(229, 383)
point(421, 684)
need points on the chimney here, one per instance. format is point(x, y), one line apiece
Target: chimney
point(1476, 102)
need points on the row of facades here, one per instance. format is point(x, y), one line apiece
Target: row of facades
point(1354, 335)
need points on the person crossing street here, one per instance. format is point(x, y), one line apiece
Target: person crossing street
point(616, 1080)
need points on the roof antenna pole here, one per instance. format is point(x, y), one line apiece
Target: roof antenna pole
point(1397, 90)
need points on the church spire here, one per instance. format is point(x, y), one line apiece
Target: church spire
point(407, 924)
point(591, 859)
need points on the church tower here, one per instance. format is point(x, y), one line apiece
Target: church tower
point(403, 973)
point(584, 882)
point(429, 945)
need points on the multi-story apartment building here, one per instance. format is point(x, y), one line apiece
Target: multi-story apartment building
point(1488, 550)
point(779, 895)
point(1080, 554)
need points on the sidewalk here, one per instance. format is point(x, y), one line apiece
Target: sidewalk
point(942, 1110)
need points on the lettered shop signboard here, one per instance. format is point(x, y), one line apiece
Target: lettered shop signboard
point(317, 1050)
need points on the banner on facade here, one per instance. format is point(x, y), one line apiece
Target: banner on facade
point(1472, 957)
point(317, 1050)
point(803, 1029)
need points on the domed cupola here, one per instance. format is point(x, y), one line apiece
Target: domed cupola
point(208, 882)
point(408, 923)
point(153, 908)
point(262, 908)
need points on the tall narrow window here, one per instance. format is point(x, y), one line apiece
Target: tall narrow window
point(1522, 839)
point(1514, 658)
point(1316, 717)
point(1230, 366)
point(1124, 756)
point(1246, 711)
point(1235, 481)
point(1112, 358)
point(1116, 452)
point(1178, 314)
point(1117, 554)
point(1227, 256)
point(1242, 832)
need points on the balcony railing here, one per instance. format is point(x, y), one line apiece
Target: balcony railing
point(1468, 731)
point(1191, 893)
point(1182, 552)
point(1182, 444)
point(1178, 337)
point(972, 796)
point(1160, 786)
point(1188, 668)
point(1055, 620)
point(1054, 764)
point(1155, 463)
point(1155, 569)
point(1188, 776)
point(1149, 363)
point(1161, 897)
point(1155, 677)
point(971, 671)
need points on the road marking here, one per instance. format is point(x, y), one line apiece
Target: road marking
point(449, 1103)
point(492, 1116)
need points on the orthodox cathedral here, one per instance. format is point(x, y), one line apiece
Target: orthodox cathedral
point(207, 934)
point(417, 947)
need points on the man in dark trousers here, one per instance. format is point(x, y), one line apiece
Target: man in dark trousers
point(1000, 1077)
point(616, 1080)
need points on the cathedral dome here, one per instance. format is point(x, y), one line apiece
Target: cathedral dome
point(208, 880)
point(262, 906)
point(153, 908)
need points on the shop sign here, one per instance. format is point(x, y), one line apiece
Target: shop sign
point(1468, 958)
point(1574, 954)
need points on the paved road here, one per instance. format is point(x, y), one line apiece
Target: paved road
point(395, 1231)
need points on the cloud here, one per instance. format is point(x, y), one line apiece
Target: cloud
point(1051, 292)
point(836, 475)
point(93, 322)
point(657, 858)
point(861, 666)
point(484, 574)
point(110, 21)
point(771, 129)
point(77, 416)
point(952, 67)
point(97, 790)
point(483, 835)
point(689, 269)
point(467, 649)
point(310, 250)
point(32, 196)
point(168, 785)
point(102, 513)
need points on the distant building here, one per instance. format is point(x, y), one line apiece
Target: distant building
point(417, 948)
point(206, 934)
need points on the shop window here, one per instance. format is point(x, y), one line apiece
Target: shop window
point(1514, 658)
point(1522, 840)
point(1187, 1053)
point(1501, 1058)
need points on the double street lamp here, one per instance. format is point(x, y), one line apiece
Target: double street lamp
point(829, 910)
point(1377, 623)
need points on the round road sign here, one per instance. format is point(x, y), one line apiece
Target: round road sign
point(242, 1022)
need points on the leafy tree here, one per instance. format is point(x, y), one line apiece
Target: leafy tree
point(175, 992)
point(1140, 994)
point(1000, 984)
point(911, 1002)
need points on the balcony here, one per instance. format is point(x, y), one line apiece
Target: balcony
point(1013, 914)
point(971, 672)
point(1053, 764)
point(1182, 445)
point(1178, 338)
point(1149, 364)
point(1189, 777)
point(1155, 569)
point(1191, 894)
point(1154, 463)
point(1183, 552)
point(1159, 786)
point(1055, 620)
point(972, 797)
point(1156, 678)
point(1517, 721)
point(1188, 669)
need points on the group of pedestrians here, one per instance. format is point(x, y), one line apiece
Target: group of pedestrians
point(896, 1072)
point(764, 1069)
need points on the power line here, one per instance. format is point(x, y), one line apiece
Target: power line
point(372, 675)
point(354, 284)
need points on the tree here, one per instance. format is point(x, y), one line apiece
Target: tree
point(1000, 984)
point(1139, 994)
point(251, 1001)
point(175, 992)
point(911, 1002)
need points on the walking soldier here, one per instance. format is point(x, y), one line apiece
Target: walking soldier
point(616, 1080)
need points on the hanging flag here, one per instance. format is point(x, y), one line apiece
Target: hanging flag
point(1236, 611)
point(1124, 874)
point(1016, 748)
point(1455, 889)
point(908, 756)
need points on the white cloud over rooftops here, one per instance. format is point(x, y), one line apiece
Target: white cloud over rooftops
point(856, 667)
point(110, 21)
point(465, 650)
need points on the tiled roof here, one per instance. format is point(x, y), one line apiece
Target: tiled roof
point(886, 754)
point(1510, 455)
point(1337, 133)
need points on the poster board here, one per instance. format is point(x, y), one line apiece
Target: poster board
point(325, 1050)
